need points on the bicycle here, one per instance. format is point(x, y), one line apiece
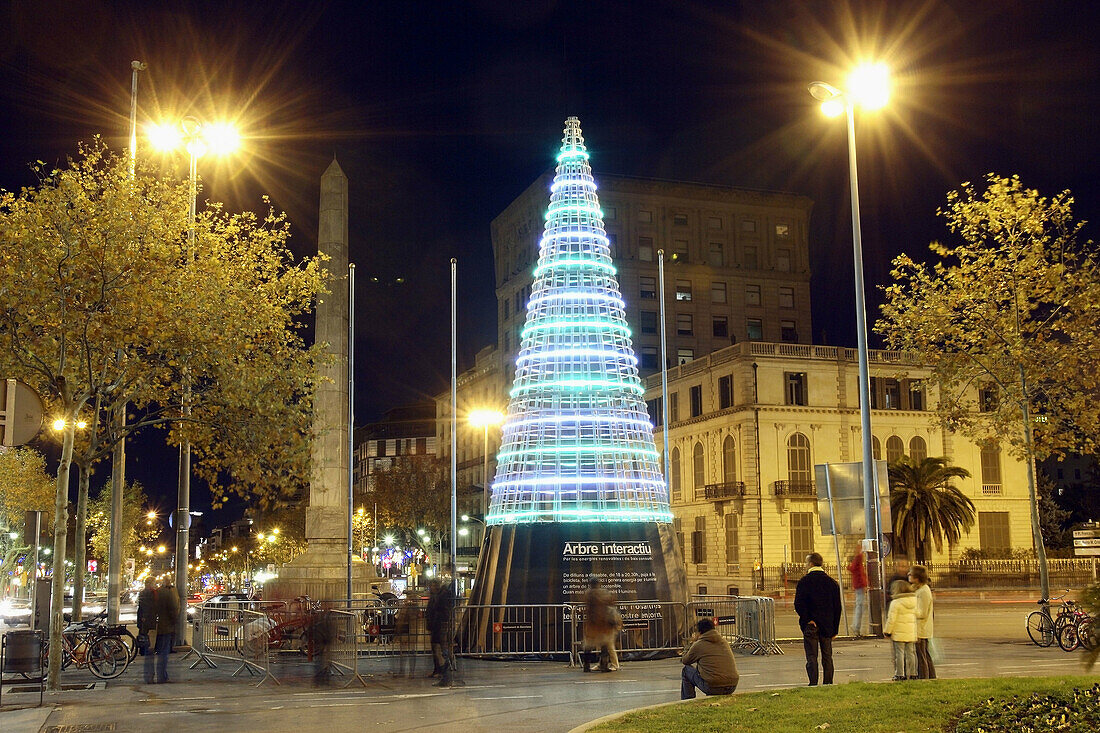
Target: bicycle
point(1042, 627)
point(105, 656)
point(1079, 632)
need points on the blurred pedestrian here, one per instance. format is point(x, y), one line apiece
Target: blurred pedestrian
point(602, 622)
point(323, 635)
point(714, 671)
point(858, 570)
point(817, 601)
point(441, 605)
point(168, 614)
point(901, 629)
point(918, 577)
point(901, 572)
point(404, 631)
point(147, 625)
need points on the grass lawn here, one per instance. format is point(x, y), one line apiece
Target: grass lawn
point(866, 707)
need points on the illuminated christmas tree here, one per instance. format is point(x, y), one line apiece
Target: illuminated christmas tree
point(577, 444)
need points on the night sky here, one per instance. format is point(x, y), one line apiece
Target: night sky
point(441, 113)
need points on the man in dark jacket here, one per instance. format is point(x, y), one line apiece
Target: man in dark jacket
point(717, 671)
point(147, 624)
point(168, 614)
point(817, 601)
point(441, 605)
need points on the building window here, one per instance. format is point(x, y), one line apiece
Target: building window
point(795, 387)
point(895, 449)
point(647, 287)
point(674, 407)
point(697, 467)
point(720, 325)
point(683, 356)
point(751, 262)
point(683, 290)
point(799, 470)
point(717, 292)
point(916, 395)
point(802, 535)
point(991, 469)
point(786, 297)
point(645, 249)
point(755, 329)
point(787, 332)
point(674, 473)
point(729, 460)
point(725, 392)
point(987, 398)
point(993, 532)
point(876, 448)
point(918, 449)
point(752, 295)
point(715, 255)
point(782, 230)
point(748, 225)
point(699, 544)
point(678, 528)
point(380, 448)
point(649, 321)
point(649, 358)
point(783, 260)
point(679, 220)
point(733, 556)
point(656, 415)
point(696, 397)
point(684, 325)
point(680, 250)
point(645, 216)
point(714, 223)
point(885, 393)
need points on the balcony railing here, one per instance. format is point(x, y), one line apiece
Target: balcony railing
point(795, 488)
point(717, 492)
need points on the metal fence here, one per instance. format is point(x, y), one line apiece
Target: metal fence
point(230, 632)
point(509, 631)
point(746, 622)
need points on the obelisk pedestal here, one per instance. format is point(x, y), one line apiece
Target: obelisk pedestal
point(321, 571)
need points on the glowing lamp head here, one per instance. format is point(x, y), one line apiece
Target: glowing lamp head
point(869, 86)
point(59, 425)
point(832, 108)
point(221, 138)
point(485, 418)
point(81, 424)
point(164, 137)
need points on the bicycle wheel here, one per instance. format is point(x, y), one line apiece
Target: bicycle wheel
point(108, 658)
point(1040, 628)
point(1087, 634)
point(1068, 638)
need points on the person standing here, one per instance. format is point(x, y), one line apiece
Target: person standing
point(147, 624)
point(715, 671)
point(817, 602)
point(901, 572)
point(901, 628)
point(918, 577)
point(859, 584)
point(601, 624)
point(168, 614)
point(440, 609)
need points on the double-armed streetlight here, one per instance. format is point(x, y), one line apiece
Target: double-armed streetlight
point(869, 88)
point(197, 139)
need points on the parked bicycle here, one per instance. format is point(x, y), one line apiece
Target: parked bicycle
point(1044, 628)
point(1078, 631)
point(87, 646)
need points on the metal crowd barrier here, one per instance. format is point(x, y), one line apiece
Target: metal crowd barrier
point(747, 622)
point(511, 631)
point(335, 647)
point(648, 627)
point(231, 632)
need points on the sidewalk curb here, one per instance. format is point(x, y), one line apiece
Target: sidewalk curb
point(614, 716)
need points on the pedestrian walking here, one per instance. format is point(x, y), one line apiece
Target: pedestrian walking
point(601, 625)
point(817, 602)
point(708, 664)
point(168, 614)
point(901, 629)
point(324, 634)
point(918, 577)
point(404, 628)
point(440, 609)
point(147, 625)
point(858, 570)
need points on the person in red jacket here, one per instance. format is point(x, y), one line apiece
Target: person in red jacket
point(859, 584)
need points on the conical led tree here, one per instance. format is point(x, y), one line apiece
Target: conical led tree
point(577, 443)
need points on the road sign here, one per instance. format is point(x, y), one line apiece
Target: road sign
point(92, 566)
point(1092, 542)
point(1086, 551)
point(20, 412)
point(1083, 534)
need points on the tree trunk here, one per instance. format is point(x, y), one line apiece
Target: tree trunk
point(80, 543)
point(911, 546)
point(1036, 529)
point(60, 529)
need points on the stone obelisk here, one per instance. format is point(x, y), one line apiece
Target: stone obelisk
point(321, 571)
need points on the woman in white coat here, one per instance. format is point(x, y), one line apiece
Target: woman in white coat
point(918, 576)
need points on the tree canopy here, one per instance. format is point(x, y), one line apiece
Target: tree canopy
point(414, 493)
point(24, 485)
point(924, 505)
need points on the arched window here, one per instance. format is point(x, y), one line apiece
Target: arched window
point(876, 449)
point(729, 460)
point(799, 470)
point(674, 473)
point(895, 449)
point(697, 473)
point(918, 449)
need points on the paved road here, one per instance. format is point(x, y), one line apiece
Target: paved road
point(506, 696)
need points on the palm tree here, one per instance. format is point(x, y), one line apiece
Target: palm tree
point(924, 504)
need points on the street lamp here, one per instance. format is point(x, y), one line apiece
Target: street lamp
point(485, 419)
point(198, 140)
point(868, 87)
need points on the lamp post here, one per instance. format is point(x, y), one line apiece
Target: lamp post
point(198, 140)
point(485, 419)
point(868, 87)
